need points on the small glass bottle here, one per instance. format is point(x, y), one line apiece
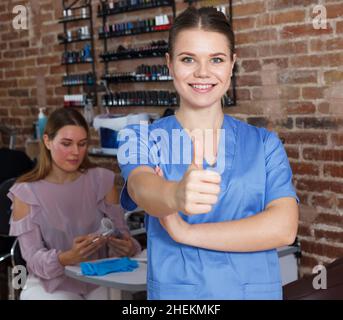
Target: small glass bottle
point(88, 111)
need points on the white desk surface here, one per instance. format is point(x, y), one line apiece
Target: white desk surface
point(126, 281)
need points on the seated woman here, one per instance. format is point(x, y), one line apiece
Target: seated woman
point(57, 209)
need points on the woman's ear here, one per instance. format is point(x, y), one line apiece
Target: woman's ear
point(233, 62)
point(168, 61)
point(46, 141)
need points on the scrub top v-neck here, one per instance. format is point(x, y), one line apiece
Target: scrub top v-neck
point(254, 171)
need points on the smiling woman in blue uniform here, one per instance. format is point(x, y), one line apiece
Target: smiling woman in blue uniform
point(213, 223)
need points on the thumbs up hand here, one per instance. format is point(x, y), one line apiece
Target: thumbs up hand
point(198, 190)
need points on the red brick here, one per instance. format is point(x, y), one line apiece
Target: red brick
point(246, 52)
point(324, 107)
point(10, 36)
point(308, 262)
point(327, 202)
point(13, 54)
point(292, 152)
point(27, 82)
point(24, 63)
point(31, 52)
point(333, 76)
point(8, 83)
point(6, 64)
point(50, 60)
point(329, 219)
point(48, 39)
point(243, 23)
point(17, 112)
point(321, 249)
point(304, 230)
point(14, 73)
point(290, 93)
point(19, 44)
point(3, 112)
point(18, 92)
point(327, 45)
point(248, 9)
point(301, 138)
point(319, 123)
point(11, 121)
point(303, 30)
point(322, 154)
point(36, 71)
point(300, 107)
point(5, 17)
point(334, 236)
point(337, 139)
point(251, 65)
point(319, 185)
point(340, 203)
point(334, 11)
point(280, 18)
point(28, 102)
point(243, 94)
point(339, 27)
point(280, 62)
point(305, 169)
point(286, 4)
point(298, 76)
point(256, 36)
point(312, 92)
point(54, 70)
point(324, 60)
point(55, 101)
point(249, 80)
point(9, 102)
point(332, 170)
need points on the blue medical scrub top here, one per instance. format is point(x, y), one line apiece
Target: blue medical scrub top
point(255, 171)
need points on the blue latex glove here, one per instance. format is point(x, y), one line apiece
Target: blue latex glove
point(104, 267)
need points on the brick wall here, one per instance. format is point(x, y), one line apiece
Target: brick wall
point(289, 79)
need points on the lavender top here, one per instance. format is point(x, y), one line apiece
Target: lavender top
point(58, 214)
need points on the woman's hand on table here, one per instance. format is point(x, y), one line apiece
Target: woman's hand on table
point(83, 247)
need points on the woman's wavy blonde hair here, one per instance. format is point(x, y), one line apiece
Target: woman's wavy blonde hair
point(57, 120)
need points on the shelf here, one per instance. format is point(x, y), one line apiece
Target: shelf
point(133, 8)
point(141, 105)
point(133, 81)
point(75, 40)
point(79, 85)
point(136, 81)
point(75, 106)
point(66, 20)
point(134, 55)
point(78, 62)
point(113, 35)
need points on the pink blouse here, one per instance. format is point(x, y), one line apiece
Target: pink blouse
point(58, 214)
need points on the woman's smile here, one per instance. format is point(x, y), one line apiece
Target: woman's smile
point(202, 87)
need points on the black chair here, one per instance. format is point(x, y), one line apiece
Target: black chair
point(13, 163)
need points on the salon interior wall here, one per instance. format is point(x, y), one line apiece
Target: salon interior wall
point(289, 79)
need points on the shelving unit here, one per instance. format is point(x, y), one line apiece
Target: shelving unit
point(73, 12)
point(154, 49)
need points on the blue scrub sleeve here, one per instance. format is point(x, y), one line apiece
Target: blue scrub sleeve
point(134, 150)
point(279, 173)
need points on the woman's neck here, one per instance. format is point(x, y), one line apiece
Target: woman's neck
point(207, 118)
point(60, 176)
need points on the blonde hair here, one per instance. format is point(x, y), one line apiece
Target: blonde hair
point(56, 121)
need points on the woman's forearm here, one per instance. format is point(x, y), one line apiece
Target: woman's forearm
point(272, 228)
point(152, 193)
